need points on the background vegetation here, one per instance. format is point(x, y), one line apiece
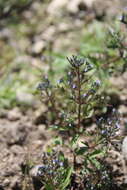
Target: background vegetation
point(74, 100)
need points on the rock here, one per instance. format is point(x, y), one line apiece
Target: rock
point(125, 76)
point(75, 5)
point(6, 182)
point(124, 154)
point(49, 33)
point(14, 114)
point(63, 27)
point(34, 171)
point(38, 47)
point(124, 148)
point(55, 6)
point(123, 110)
point(21, 59)
point(71, 6)
point(5, 34)
point(25, 98)
point(16, 149)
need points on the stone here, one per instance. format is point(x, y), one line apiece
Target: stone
point(55, 6)
point(73, 6)
point(14, 114)
point(124, 148)
point(6, 182)
point(24, 98)
point(38, 47)
point(34, 171)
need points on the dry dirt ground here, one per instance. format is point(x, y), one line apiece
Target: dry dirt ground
point(22, 137)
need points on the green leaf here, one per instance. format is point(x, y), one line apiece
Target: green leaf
point(67, 179)
point(81, 150)
point(98, 152)
point(96, 163)
point(74, 139)
point(58, 141)
point(56, 127)
point(49, 187)
point(61, 156)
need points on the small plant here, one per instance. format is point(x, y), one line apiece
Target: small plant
point(72, 100)
point(117, 41)
point(79, 92)
point(55, 172)
point(110, 58)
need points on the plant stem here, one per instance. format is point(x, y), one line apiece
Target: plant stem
point(79, 98)
point(74, 160)
point(53, 106)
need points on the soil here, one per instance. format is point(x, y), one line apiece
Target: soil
point(20, 140)
point(23, 137)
